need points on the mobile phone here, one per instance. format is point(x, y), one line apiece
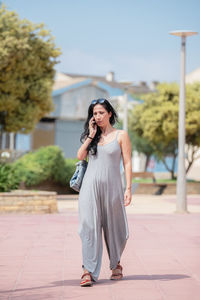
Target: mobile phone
point(94, 122)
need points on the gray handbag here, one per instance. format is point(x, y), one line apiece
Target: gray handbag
point(77, 178)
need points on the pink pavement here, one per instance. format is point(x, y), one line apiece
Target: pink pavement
point(40, 259)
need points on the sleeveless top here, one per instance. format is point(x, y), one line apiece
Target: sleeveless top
point(105, 165)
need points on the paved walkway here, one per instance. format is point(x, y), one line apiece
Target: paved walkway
point(40, 255)
point(141, 204)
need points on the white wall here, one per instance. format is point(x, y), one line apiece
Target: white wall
point(138, 162)
point(194, 172)
point(74, 103)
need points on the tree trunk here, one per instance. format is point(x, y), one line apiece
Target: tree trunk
point(189, 166)
point(147, 161)
point(192, 157)
point(172, 174)
point(172, 170)
point(173, 166)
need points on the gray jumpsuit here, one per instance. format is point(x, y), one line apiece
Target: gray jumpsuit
point(101, 206)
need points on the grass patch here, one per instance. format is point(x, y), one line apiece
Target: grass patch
point(165, 181)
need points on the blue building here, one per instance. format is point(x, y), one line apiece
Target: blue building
point(72, 95)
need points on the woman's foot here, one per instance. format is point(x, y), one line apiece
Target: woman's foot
point(117, 273)
point(86, 279)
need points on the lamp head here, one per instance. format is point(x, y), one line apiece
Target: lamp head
point(183, 33)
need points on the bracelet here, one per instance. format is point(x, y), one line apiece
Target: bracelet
point(90, 137)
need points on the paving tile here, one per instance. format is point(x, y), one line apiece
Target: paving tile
point(40, 258)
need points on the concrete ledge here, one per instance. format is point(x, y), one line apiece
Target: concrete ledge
point(28, 202)
point(165, 189)
point(148, 188)
point(193, 188)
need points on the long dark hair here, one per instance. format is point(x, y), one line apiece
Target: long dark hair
point(113, 119)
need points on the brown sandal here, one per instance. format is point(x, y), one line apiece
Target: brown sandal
point(120, 275)
point(86, 282)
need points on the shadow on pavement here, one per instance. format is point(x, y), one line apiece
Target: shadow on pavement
point(156, 277)
point(76, 282)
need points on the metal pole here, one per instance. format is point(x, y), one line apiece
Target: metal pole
point(3, 140)
point(11, 144)
point(181, 204)
point(125, 121)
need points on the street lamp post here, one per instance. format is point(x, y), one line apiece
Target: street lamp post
point(181, 203)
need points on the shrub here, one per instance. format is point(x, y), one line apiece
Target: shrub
point(47, 163)
point(8, 181)
point(71, 167)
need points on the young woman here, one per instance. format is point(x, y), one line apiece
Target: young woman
point(101, 197)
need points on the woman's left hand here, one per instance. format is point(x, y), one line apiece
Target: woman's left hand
point(127, 197)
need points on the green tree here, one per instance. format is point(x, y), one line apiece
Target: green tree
point(137, 142)
point(141, 145)
point(156, 120)
point(27, 59)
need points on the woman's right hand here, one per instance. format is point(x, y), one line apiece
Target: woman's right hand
point(92, 127)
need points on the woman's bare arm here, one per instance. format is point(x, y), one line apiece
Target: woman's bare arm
point(82, 151)
point(126, 154)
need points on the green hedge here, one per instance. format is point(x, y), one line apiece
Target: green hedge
point(8, 180)
point(47, 163)
point(64, 175)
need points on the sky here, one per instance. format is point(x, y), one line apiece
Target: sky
point(130, 38)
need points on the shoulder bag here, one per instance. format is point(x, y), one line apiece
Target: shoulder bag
point(77, 178)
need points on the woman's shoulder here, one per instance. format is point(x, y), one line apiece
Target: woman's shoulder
point(122, 136)
point(122, 133)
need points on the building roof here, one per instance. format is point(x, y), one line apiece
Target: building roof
point(193, 76)
point(113, 83)
point(73, 75)
point(73, 85)
point(67, 81)
point(140, 88)
point(61, 81)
